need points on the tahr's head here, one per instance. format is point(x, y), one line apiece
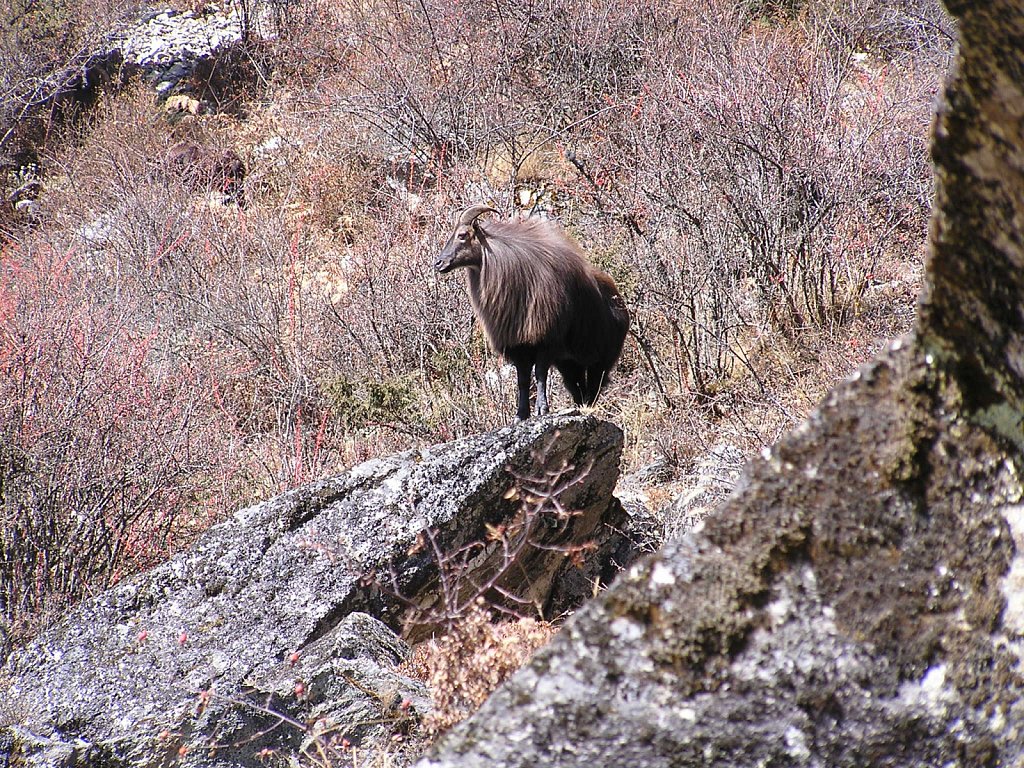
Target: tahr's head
point(464, 248)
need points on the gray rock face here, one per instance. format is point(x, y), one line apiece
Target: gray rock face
point(350, 693)
point(289, 575)
point(165, 46)
point(163, 38)
point(860, 601)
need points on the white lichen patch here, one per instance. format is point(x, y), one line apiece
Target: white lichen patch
point(930, 692)
point(636, 572)
point(998, 720)
point(626, 629)
point(779, 609)
point(662, 576)
point(785, 607)
point(220, 661)
point(1004, 419)
point(1013, 582)
point(796, 743)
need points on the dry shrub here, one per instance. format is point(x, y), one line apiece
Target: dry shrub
point(745, 176)
point(116, 449)
point(424, 85)
point(768, 177)
point(464, 667)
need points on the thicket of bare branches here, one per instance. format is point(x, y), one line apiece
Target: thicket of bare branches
point(755, 176)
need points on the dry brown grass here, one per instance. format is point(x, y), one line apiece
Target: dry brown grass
point(464, 667)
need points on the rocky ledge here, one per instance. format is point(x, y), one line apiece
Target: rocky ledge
point(290, 609)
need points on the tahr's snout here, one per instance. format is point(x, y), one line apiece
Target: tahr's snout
point(445, 262)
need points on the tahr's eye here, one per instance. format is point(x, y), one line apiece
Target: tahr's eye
point(463, 236)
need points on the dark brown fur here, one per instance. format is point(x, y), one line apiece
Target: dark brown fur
point(205, 168)
point(540, 302)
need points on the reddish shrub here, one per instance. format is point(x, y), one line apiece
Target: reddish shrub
point(106, 442)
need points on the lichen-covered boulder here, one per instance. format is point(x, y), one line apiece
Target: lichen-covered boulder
point(256, 620)
point(845, 609)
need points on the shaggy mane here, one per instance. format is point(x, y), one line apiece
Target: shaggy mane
point(529, 273)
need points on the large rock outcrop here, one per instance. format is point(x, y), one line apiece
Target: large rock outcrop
point(202, 654)
point(166, 46)
point(860, 601)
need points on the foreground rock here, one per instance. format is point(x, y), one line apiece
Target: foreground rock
point(340, 690)
point(860, 602)
point(201, 655)
point(845, 609)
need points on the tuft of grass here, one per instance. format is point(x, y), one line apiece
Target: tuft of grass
point(465, 666)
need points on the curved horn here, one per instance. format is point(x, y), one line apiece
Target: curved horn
point(470, 215)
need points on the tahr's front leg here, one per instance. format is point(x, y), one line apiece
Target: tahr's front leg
point(524, 372)
point(542, 386)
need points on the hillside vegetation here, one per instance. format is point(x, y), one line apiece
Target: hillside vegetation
point(755, 175)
